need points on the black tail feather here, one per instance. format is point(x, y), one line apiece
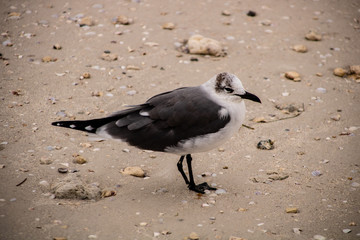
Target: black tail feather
point(89, 126)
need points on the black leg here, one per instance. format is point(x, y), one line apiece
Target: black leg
point(181, 170)
point(200, 188)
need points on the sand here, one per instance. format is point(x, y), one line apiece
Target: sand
point(314, 166)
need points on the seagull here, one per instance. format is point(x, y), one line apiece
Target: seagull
point(184, 121)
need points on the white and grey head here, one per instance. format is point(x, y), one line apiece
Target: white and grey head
point(229, 87)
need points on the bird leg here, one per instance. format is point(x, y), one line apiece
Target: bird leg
point(200, 188)
point(181, 170)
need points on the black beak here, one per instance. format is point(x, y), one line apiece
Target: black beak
point(251, 97)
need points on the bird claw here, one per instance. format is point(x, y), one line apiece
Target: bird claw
point(200, 188)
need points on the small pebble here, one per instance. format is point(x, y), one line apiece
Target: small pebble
point(220, 191)
point(133, 171)
point(193, 236)
point(251, 13)
point(266, 144)
point(347, 230)
point(226, 13)
point(109, 57)
point(319, 237)
point(45, 161)
point(316, 173)
point(355, 184)
point(291, 210)
point(321, 90)
point(168, 26)
point(293, 76)
point(79, 159)
point(63, 170)
point(57, 46)
point(297, 230)
point(123, 20)
point(339, 72)
point(300, 48)
point(336, 117)
point(313, 36)
point(86, 21)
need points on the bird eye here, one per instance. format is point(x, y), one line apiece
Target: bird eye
point(229, 90)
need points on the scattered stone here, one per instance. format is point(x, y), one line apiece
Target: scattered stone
point(47, 59)
point(297, 230)
point(291, 210)
point(352, 224)
point(57, 46)
point(339, 72)
point(266, 144)
point(63, 170)
point(319, 237)
point(319, 74)
point(107, 193)
point(59, 238)
point(226, 13)
point(347, 230)
point(198, 44)
point(168, 26)
point(123, 20)
point(86, 21)
point(143, 224)
point(71, 187)
point(193, 236)
point(313, 36)
point(236, 238)
point(300, 48)
point(355, 184)
point(133, 171)
point(79, 159)
point(109, 57)
point(45, 161)
point(251, 13)
point(293, 76)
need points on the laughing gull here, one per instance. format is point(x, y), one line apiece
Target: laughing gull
point(183, 121)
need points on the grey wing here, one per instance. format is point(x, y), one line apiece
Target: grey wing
point(166, 119)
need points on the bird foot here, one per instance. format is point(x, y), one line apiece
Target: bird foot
point(200, 188)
